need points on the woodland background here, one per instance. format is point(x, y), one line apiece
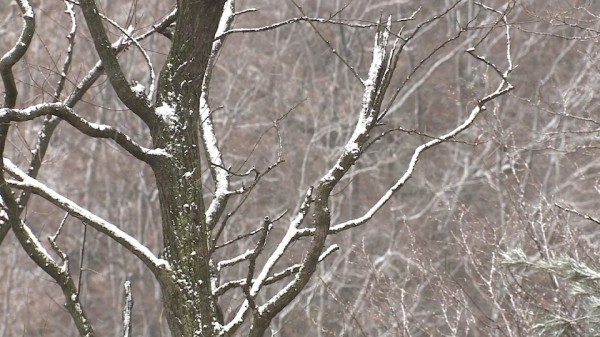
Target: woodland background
point(431, 263)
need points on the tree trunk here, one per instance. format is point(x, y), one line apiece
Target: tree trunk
point(187, 290)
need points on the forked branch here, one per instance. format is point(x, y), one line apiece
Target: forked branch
point(155, 264)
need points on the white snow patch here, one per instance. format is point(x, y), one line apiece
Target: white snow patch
point(158, 152)
point(138, 89)
point(237, 259)
point(167, 113)
point(28, 9)
point(214, 154)
point(225, 17)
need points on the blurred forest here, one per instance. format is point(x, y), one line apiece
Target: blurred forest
point(433, 262)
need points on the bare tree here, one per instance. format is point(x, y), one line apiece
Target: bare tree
point(199, 191)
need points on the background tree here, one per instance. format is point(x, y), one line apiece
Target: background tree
point(429, 264)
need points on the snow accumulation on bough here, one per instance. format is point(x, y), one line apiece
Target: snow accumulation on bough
point(158, 152)
point(97, 222)
point(138, 89)
point(28, 9)
point(215, 157)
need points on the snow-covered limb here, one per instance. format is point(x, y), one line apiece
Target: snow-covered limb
point(155, 264)
point(220, 290)
point(249, 254)
point(407, 174)
point(379, 74)
point(411, 167)
point(161, 26)
point(285, 242)
point(207, 131)
point(127, 309)
point(230, 262)
point(257, 284)
point(260, 245)
point(375, 85)
point(574, 211)
point(50, 123)
point(271, 279)
point(218, 171)
point(225, 23)
point(59, 272)
point(88, 128)
point(289, 271)
point(34, 248)
point(7, 61)
point(503, 88)
point(20, 47)
point(69, 56)
point(238, 320)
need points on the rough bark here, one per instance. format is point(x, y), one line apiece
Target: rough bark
point(186, 234)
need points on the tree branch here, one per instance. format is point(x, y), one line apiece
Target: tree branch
point(219, 174)
point(156, 265)
point(278, 276)
point(16, 53)
point(127, 308)
point(8, 60)
point(60, 273)
point(85, 127)
point(138, 104)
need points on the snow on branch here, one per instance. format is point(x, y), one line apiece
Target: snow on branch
point(375, 86)
point(156, 265)
point(88, 128)
point(291, 270)
point(127, 308)
point(411, 167)
point(69, 55)
point(278, 276)
point(275, 256)
point(215, 157)
point(240, 258)
point(407, 174)
point(503, 88)
point(376, 83)
point(207, 131)
point(59, 272)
